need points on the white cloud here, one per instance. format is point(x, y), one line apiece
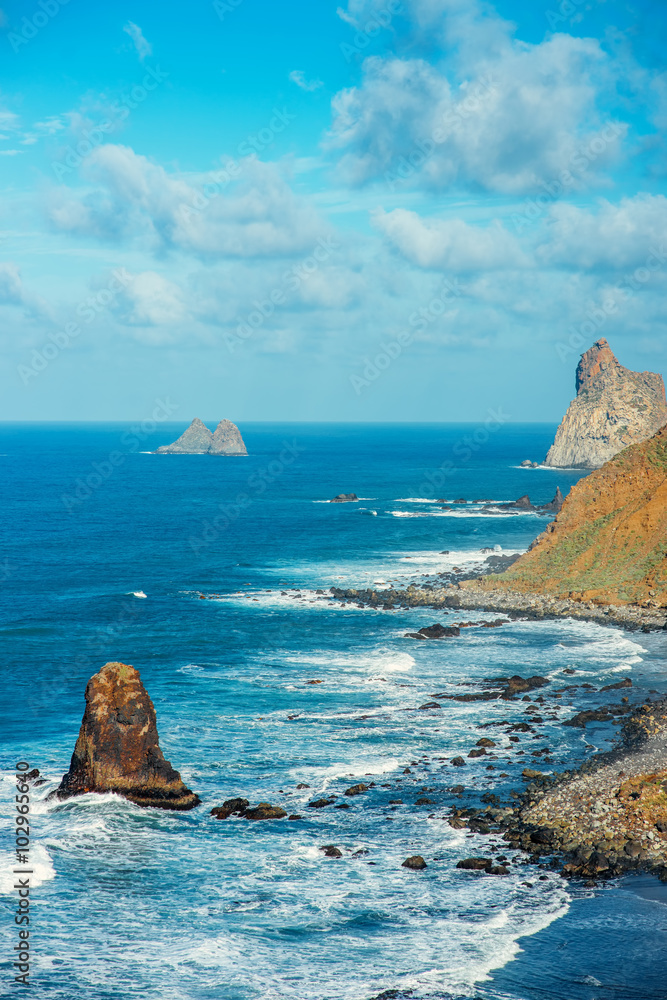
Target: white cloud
point(449, 244)
point(131, 198)
point(609, 237)
point(496, 113)
point(298, 77)
point(143, 47)
point(8, 123)
point(346, 16)
point(149, 299)
point(12, 291)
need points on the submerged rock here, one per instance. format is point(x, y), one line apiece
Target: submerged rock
point(345, 498)
point(118, 749)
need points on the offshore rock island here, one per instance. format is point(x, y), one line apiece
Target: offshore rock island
point(199, 440)
point(614, 408)
point(118, 748)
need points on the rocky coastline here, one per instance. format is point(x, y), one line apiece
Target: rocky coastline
point(606, 818)
point(451, 595)
point(602, 820)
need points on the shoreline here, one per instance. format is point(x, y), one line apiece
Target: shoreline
point(455, 597)
point(603, 819)
point(606, 818)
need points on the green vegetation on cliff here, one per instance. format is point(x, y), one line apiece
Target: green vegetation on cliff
point(609, 542)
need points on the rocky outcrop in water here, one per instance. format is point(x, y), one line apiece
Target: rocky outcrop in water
point(614, 408)
point(118, 748)
point(227, 440)
point(608, 545)
point(524, 505)
point(198, 440)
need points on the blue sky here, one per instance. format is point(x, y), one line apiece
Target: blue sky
point(378, 210)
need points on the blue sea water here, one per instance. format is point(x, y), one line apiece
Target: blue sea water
point(131, 902)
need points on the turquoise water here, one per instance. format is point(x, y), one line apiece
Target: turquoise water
point(133, 902)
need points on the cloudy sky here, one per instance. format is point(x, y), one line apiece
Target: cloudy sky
point(378, 210)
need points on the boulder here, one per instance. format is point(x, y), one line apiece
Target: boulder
point(118, 749)
point(475, 864)
point(345, 498)
point(436, 631)
point(357, 789)
point(625, 683)
point(331, 851)
point(415, 862)
point(519, 685)
point(265, 811)
point(229, 808)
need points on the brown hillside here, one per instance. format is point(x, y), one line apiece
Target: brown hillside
point(609, 542)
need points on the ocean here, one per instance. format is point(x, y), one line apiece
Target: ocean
point(266, 685)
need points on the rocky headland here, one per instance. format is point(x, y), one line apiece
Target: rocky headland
point(614, 407)
point(118, 748)
point(608, 544)
point(199, 440)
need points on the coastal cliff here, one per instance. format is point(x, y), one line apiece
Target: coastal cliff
point(118, 749)
point(609, 542)
point(614, 408)
point(199, 440)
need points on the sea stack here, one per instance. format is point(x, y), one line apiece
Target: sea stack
point(199, 440)
point(227, 440)
point(118, 748)
point(614, 408)
point(195, 441)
